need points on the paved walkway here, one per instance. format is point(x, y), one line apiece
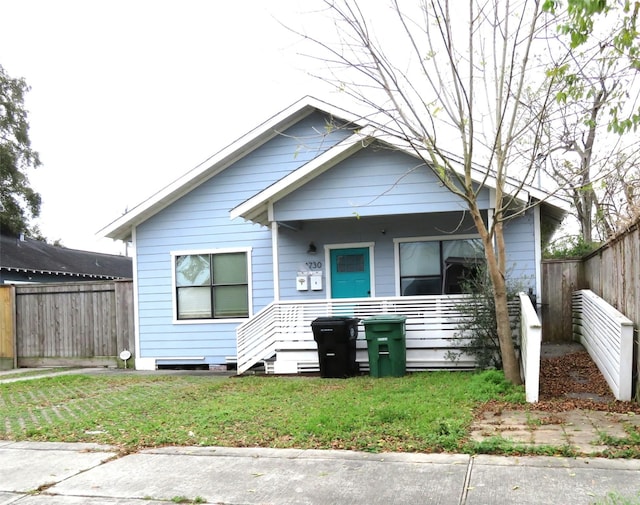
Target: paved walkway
point(34, 473)
point(586, 432)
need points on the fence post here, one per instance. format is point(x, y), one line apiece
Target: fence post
point(124, 316)
point(531, 340)
point(8, 354)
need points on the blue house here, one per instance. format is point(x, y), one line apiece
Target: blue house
point(309, 215)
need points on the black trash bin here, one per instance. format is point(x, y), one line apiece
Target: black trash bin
point(336, 339)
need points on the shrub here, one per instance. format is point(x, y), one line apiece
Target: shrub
point(478, 329)
point(569, 247)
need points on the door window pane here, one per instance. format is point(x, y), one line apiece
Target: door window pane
point(350, 263)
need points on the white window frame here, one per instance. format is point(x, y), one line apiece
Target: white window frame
point(225, 250)
point(436, 238)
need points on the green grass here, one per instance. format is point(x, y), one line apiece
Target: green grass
point(624, 447)
point(33, 373)
point(618, 499)
point(424, 412)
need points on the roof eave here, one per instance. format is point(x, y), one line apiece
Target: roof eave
point(121, 228)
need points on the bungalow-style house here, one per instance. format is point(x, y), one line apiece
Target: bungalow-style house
point(308, 215)
point(23, 259)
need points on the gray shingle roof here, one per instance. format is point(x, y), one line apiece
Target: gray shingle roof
point(29, 255)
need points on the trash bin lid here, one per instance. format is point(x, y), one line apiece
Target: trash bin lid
point(385, 318)
point(333, 319)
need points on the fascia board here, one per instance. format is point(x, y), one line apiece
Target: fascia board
point(522, 193)
point(121, 227)
point(253, 207)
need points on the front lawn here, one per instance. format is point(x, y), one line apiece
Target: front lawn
point(425, 412)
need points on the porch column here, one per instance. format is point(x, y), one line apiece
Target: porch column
point(274, 255)
point(538, 256)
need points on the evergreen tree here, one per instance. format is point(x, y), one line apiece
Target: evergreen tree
point(19, 203)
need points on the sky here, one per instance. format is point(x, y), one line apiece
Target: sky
point(127, 95)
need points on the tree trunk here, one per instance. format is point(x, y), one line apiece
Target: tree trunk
point(507, 350)
point(496, 273)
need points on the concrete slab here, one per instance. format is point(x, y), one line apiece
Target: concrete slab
point(258, 476)
point(7, 498)
point(552, 435)
point(518, 436)
point(540, 480)
point(45, 499)
point(28, 466)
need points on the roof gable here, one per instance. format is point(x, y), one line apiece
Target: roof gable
point(120, 229)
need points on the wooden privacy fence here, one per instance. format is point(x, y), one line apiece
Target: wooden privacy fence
point(7, 329)
point(560, 278)
point(612, 272)
point(79, 324)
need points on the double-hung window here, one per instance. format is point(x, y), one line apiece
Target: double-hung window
point(212, 285)
point(434, 267)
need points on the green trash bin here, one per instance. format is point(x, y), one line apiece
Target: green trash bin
point(386, 345)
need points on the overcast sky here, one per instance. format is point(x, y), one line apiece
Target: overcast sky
point(127, 95)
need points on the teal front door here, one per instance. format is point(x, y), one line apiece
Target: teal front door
point(350, 276)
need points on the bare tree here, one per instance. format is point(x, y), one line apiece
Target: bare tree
point(582, 151)
point(592, 150)
point(445, 77)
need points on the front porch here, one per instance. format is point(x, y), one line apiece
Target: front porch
point(280, 336)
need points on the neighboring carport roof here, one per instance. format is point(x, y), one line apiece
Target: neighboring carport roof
point(120, 229)
point(23, 254)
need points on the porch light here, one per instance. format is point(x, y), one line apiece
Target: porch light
point(312, 248)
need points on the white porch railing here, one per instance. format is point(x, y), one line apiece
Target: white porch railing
point(530, 342)
point(608, 337)
point(280, 335)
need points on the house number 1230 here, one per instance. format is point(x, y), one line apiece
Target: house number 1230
point(314, 265)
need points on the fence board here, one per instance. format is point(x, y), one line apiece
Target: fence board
point(560, 278)
point(73, 324)
point(7, 328)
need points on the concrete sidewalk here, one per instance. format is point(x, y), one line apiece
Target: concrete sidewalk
point(33, 473)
